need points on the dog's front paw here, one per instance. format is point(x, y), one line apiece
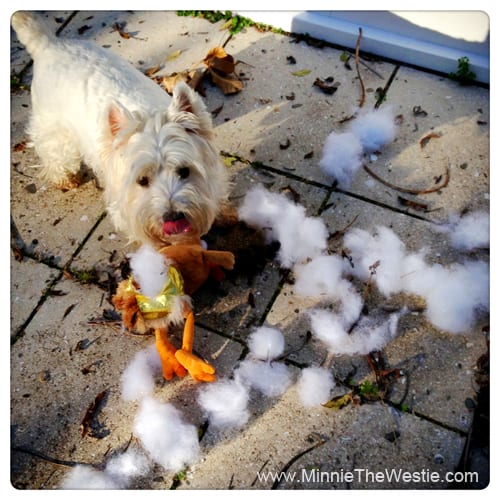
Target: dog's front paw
point(197, 368)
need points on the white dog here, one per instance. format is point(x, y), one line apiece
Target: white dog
point(162, 177)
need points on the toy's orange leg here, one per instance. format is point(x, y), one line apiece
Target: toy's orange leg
point(166, 350)
point(197, 368)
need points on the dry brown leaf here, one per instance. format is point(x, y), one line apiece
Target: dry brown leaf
point(221, 67)
point(219, 60)
point(192, 78)
point(229, 84)
point(427, 138)
point(151, 71)
point(174, 55)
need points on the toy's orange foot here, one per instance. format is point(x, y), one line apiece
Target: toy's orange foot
point(197, 368)
point(169, 363)
point(170, 366)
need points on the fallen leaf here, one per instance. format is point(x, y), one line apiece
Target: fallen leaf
point(229, 84)
point(418, 111)
point(286, 145)
point(339, 402)
point(229, 160)
point(219, 60)
point(119, 27)
point(427, 138)
point(415, 205)
point(221, 66)
point(192, 78)
point(301, 72)
point(151, 71)
point(91, 412)
point(327, 85)
point(174, 55)
point(83, 29)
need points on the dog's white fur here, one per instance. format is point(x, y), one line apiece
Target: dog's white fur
point(152, 154)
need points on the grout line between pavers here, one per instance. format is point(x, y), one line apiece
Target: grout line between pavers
point(21, 330)
point(422, 416)
point(332, 189)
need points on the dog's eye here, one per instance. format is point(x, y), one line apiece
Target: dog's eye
point(183, 172)
point(143, 181)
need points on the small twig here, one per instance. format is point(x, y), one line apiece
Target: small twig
point(443, 184)
point(277, 481)
point(362, 85)
point(384, 91)
point(367, 66)
point(340, 232)
point(61, 463)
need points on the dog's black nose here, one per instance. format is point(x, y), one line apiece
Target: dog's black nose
point(172, 216)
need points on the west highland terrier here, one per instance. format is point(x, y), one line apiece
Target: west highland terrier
point(163, 178)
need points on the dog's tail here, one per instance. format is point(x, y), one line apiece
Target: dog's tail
point(32, 30)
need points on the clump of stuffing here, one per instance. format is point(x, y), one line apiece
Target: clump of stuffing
point(454, 295)
point(375, 128)
point(149, 269)
point(118, 473)
point(225, 403)
point(342, 154)
point(271, 379)
point(342, 157)
point(300, 237)
point(471, 231)
point(138, 378)
point(314, 386)
point(370, 333)
point(169, 440)
point(266, 343)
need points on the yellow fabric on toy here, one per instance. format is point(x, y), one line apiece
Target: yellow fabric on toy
point(161, 305)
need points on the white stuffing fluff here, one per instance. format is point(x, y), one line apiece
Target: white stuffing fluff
point(322, 278)
point(225, 403)
point(370, 334)
point(470, 231)
point(266, 343)
point(343, 152)
point(384, 250)
point(85, 477)
point(170, 441)
point(314, 386)
point(118, 473)
point(271, 379)
point(454, 295)
point(300, 237)
point(149, 270)
point(138, 378)
point(374, 128)
point(319, 277)
point(341, 157)
point(127, 466)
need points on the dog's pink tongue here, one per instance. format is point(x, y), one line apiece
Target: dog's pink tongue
point(176, 226)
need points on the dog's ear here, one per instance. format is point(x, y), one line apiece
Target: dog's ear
point(188, 109)
point(119, 119)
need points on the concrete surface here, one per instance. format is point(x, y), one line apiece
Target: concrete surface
point(66, 348)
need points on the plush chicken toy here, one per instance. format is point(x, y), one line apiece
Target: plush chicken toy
point(158, 295)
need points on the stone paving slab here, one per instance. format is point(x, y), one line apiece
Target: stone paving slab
point(69, 351)
point(282, 120)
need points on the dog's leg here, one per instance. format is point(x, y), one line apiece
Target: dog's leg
point(58, 150)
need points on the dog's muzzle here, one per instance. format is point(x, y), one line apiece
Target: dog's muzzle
point(175, 223)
